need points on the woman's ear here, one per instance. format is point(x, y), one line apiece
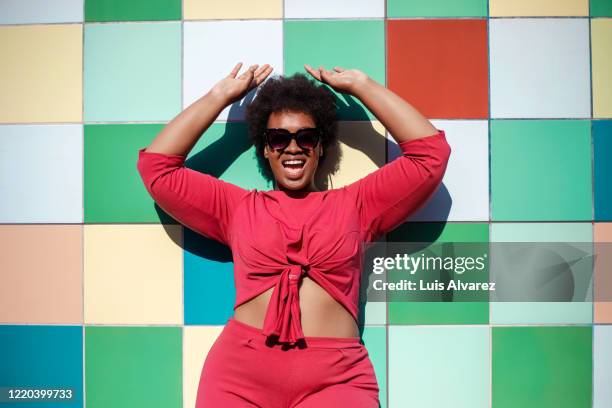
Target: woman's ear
point(266, 152)
point(321, 152)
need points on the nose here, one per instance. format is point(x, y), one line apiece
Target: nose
point(293, 147)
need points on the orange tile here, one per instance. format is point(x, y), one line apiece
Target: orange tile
point(603, 272)
point(440, 66)
point(42, 274)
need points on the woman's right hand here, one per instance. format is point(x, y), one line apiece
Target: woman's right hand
point(232, 88)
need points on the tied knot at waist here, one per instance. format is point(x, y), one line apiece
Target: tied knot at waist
point(283, 317)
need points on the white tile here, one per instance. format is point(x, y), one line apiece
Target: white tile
point(40, 11)
point(334, 9)
point(211, 49)
point(540, 68)
point(464, 192)
point(41, 173)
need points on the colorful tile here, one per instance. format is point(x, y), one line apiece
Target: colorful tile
point(335, 46)
point(541, 170)
point(209, 290)
point(524, 82)
point(531, 365)
point(38, 11)
point(436, 8)
point(197, 341)
point(602, 359)
point(141, 283)
point(461, 366)
point(601, 63)
point(336, 9)
point(135, 10)
point(132, 71)
point(440, 66)
point(569, 311)
point(464, 192)
point(42, 357)
point(231, 9)
point(141, 365)
point(602, 167)
point(600, 8)
point(208, 60)
point(42, 274)
point(522, 8)
point(602, 280)
point(41, 73)
point(375, 341)
point(439, 312)
point(41, 169)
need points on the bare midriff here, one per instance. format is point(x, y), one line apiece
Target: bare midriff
point(322, 315)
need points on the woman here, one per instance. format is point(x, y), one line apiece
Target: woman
point(293, 340)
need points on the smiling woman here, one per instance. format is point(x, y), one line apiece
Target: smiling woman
point(293, 340)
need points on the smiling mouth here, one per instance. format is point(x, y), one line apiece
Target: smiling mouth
point(293, 164)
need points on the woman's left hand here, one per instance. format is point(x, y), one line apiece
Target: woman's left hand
point(340, 79)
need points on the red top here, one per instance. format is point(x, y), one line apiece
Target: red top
point(276, 239)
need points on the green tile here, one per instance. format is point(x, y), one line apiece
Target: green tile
point(346, 43)
point(223, 151)
point(133, 367)
point(542, 367)
point(541, 170)
point(437, 8)
point(439, 312)
point(601, 8)
point(375, 340)
point(132, 72)
point(133, 10)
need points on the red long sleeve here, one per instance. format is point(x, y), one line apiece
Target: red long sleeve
point(197, 200)
point(388, 196)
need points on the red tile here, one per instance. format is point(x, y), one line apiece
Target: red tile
point(440, 66)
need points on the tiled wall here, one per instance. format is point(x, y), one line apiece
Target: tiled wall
point(103, 292)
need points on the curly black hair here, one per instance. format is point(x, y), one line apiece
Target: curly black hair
point(295, 93)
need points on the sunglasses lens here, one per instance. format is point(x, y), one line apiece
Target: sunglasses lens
point(307, 138)
point(278, 139)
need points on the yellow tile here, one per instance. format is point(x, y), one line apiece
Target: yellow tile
point(133, 274)
point(197, 341)
point(601, 51)
point(41, 74)
point(502, 8)
point(231, 9)
point(362, 151)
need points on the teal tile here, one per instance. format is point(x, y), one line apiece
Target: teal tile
point(541, 170)
point(439, 312)
point(602, 152)
point(437, 8)
point(346, 43)
point(132, 72)
point(133, 367)
point(133, 10)
point(37, 357)
point(543, 367)
point(439, 367)
point(375, 340)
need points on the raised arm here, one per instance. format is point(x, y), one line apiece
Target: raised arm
point(197, 200)
point(389, 195)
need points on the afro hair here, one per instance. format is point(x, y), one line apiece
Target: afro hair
point(295, 93)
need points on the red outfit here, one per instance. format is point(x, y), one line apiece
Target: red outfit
point(276, 239)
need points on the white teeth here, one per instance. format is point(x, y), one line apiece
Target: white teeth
point(294, 162)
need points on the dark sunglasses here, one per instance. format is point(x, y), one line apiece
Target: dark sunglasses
point(279, 139)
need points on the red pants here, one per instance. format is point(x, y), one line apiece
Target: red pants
point(241, 370)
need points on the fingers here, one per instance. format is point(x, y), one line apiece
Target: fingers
point(235, 70)
point(249, 72)
point(339, 69)
point(315, 73)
